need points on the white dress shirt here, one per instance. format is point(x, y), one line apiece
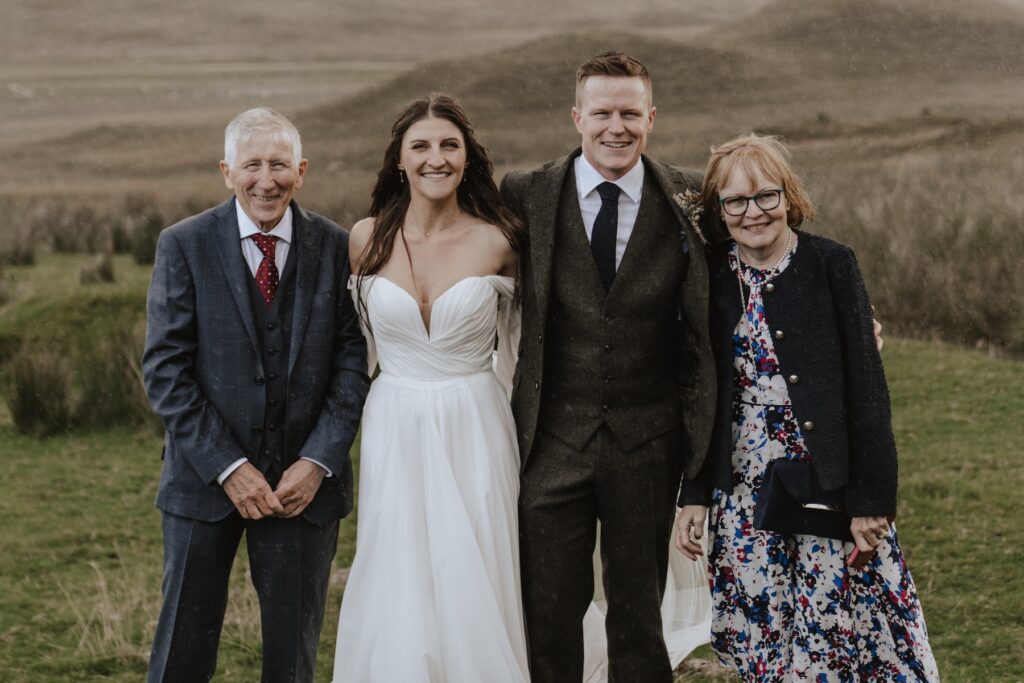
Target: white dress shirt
point(631, 187)
point(253, 256)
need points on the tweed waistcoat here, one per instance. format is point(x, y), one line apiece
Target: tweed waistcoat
point(274, 327)
point(612, 357)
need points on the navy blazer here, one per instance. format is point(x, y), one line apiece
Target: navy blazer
point(202, 359)
point(821, 324)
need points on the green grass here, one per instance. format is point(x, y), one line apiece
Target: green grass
point(80, 571)
point(82, 545)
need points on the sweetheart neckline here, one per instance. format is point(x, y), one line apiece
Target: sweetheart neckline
point(426, 329)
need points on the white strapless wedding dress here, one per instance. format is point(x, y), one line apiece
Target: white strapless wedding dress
point(433, 595)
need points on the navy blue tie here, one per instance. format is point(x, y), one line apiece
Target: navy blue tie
point(603, 236)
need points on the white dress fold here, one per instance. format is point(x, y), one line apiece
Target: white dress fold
point(433, 594)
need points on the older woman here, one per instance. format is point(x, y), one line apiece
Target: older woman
point(808, 580)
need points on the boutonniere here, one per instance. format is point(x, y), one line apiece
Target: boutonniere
point(691, 204)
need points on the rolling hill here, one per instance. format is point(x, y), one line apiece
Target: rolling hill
point(871, 77)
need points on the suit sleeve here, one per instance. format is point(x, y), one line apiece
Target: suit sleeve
point(511, 192)
point(872, 487)
point(332, 436)
point(168, 364)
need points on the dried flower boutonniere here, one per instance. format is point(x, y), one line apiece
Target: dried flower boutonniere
point(692, 205)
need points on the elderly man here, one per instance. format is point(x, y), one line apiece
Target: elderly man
point(615, 385)
point(255, 363)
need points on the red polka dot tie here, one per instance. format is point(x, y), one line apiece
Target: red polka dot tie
point(267, 277)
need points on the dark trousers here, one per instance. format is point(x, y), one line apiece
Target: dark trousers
point(564, 492)
point(290, 561)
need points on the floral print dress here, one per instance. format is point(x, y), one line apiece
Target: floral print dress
point(786, 607)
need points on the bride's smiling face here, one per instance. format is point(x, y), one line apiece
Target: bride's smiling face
point(433, 157)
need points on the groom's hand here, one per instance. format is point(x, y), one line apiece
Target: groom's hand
point(249, 491)
point(298, 486)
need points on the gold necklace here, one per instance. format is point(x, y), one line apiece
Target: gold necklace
point(769, 273)
point(428, 233)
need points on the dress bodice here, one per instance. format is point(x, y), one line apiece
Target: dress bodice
point(463, 322)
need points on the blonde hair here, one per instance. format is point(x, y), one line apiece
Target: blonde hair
point(755, 153)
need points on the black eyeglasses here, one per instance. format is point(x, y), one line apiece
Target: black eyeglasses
point(766, 200)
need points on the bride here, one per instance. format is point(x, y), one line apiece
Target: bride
point(433, 594)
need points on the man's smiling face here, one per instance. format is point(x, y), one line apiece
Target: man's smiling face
point(613, 114)
point(264, 175)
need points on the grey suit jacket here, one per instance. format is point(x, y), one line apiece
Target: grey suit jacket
point(534, 196)
point(203, 367)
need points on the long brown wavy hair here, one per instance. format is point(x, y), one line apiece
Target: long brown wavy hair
point(477, 195)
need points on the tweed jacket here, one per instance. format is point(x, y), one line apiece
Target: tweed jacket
point(203, 366)
point(821, 325)
point(535, 196)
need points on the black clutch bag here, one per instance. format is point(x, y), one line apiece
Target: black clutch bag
point(790, 501)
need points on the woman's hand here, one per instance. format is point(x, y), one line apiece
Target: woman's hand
point(869, 532)
point(690, 529)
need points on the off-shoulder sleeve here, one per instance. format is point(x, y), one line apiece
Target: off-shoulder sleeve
point(506, 352)
point(354, 283)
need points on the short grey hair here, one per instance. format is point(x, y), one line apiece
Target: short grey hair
point(257, 121)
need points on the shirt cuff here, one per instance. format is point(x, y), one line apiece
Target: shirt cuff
point(323, 466)
point(230, 468)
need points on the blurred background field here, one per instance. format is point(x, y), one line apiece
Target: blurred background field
point(905, 117)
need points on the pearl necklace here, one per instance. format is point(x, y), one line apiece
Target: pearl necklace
point(770, 273)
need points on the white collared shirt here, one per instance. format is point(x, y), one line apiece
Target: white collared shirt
point(282, 231)
point(631, 187)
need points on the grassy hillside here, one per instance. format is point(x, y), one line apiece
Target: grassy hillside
point(936, 41)
point(840, 72)
point(79, 578)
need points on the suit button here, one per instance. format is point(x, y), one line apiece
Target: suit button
point(536, 386)
point(272, 402)
point(606, 379)
point(271, 352)
point(540, 338)
point(793, 379)
point(272, 427)
point(271, 326)
point(607, 318)
point(779, 334)
point(769, 288)
point(259, 380)
point(808, 426)
point(607, 347)
point(271, 377)
point(604, 409)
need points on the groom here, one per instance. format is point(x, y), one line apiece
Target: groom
point(615, 385)
point(255, 363)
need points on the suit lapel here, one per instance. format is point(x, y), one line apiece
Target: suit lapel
point(542, 216)
point(673, 183)
point(236, 271)
point(306, 270)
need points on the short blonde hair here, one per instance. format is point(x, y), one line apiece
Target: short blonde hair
point(766, 154)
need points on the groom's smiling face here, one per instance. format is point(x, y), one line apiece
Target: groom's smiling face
point(614, 115)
